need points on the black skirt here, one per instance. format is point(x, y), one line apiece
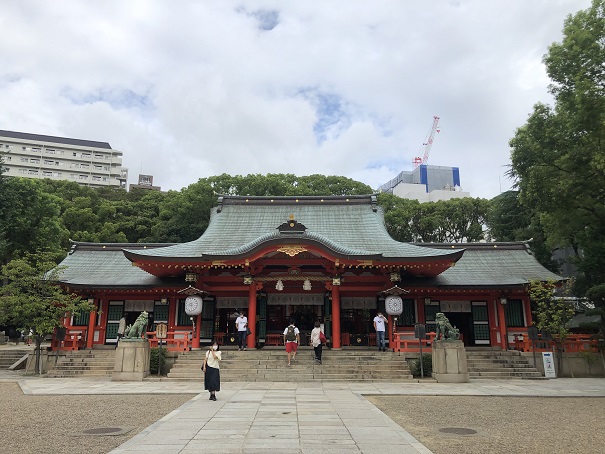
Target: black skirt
point(212, 379)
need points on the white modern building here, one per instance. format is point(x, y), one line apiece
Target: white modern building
point(86, 162)
point(427, 184)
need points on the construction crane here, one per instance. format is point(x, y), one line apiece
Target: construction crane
point(428, 143)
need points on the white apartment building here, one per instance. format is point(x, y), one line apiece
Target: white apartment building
point(86, 162)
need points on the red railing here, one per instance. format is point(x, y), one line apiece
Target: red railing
point(406, 342)
point(75, 339)
point(574, 343)
point(177, 341)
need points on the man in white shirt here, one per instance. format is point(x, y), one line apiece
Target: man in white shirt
point(379, 325)
point(241, 324)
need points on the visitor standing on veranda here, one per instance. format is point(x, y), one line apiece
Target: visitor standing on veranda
point(317, 341)
point(242, 330)
point(379, 325)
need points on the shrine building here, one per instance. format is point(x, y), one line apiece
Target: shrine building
point(327, 259)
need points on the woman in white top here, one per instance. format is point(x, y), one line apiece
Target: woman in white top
point(316, 341)
point(212, 376)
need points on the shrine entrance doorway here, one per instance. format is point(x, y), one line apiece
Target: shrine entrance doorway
point(303, 309)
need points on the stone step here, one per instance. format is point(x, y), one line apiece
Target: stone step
point(84, 363)
point(75, 373)
point(505, 375)
point(519, 370)
point(494, 364)
point(281, 377)
point(492, 355)
point(270, 365)
point(83, 367)
point(496, 360)
point(499, 364)
point(10, 357)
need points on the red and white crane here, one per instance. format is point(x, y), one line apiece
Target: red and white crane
point(428, 143)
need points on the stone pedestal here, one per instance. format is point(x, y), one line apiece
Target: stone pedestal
point(449, 362)
point(132, 360)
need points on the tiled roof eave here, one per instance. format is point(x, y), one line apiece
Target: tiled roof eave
point(337, 252)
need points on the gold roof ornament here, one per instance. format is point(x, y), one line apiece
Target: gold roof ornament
point(292, 250)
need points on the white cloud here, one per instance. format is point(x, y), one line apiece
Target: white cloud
point(347, 88)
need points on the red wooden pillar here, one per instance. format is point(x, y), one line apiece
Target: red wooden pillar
point(528, 316)
point(92, 318)
point(491, 317)
point(251, 340)
point(390, 329)
point(172, 303)
point(196, 336)
point(502, 326)
point(420, 309)
point(336, 316)
point(104, 307)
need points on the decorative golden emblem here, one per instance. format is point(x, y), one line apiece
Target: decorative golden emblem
point(292, 250)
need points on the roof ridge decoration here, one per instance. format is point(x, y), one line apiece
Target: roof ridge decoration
point(191, 290)
point(292, 226)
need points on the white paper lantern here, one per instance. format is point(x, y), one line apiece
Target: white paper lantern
point(393, 305)
point(193, 305)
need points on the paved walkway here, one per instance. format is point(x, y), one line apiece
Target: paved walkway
point(308, 418)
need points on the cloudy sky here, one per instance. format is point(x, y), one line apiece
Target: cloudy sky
point(190, 89)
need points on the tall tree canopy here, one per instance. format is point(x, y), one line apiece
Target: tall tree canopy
point(509, 220)
point(558, 156)
point(446, 221)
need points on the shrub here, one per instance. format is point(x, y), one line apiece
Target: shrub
point(427, 365)
point(153, 361)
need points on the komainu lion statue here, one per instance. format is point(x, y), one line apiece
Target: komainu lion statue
point(444, 330)
point(139, 328)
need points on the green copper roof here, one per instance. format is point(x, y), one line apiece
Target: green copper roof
point(347, 226)
point(94, 265)
point(97, 265)
point(491, 265)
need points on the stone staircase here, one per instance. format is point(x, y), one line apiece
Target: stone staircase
point(8, 357)
point(499, 364)
point(269, 365)
point(84, 363)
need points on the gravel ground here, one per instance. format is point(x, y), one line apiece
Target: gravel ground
point(34, 424)
point(504, 424)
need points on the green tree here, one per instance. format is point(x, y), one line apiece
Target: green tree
point(31, 221)
point(551, 314)
point(398, 216)
point(31, 301)
point(558, 156)
point(596, 295)
point(4, 206)
point(509, 220)
point(446, 221)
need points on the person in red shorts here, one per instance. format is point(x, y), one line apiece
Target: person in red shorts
point(291, 340)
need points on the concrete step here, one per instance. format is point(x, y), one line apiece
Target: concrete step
point(502, 369)
point(10, 357)
point(285, 377)
point(84, 363)
point(505, 375)
point(499, 365)
point(270, 365)
point(75, 373)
